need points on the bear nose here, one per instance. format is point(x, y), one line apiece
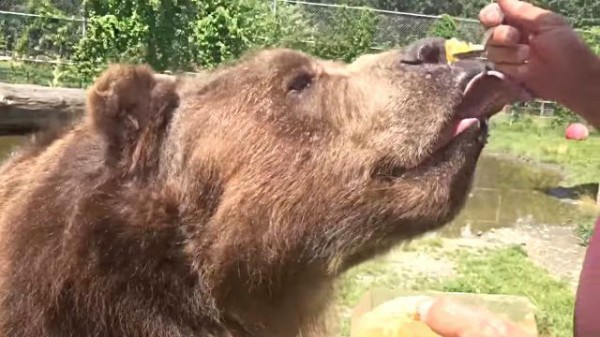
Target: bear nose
point(472, 66)
point(433, 51)
point(424, 51)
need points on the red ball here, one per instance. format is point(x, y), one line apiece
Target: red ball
point(577, 131)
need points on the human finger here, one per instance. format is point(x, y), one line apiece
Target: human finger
point(447, 318)
point(508, 55)
point(518, 72)
point(505, 35)
point(491, 15)
point(528, 16)
point(450, 319)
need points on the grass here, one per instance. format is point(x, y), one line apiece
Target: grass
point(503, 271)
point(38, 74)
point(585, 230)
point(356, 282)
point(537, 141)
point(534, 139)
point(508, 271)
point(377, 272)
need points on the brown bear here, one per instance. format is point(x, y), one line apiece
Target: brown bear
point(227, 204)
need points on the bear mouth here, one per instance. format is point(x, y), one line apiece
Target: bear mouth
point(483, 96)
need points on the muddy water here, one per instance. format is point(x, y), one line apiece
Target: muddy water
point(7, 144)
point(508, 192)
point(505, 193)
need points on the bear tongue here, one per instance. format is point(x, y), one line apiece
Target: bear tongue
point(463, 125)
point(485, 95)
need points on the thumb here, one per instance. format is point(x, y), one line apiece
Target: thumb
point(530, 17)
point(451, 319)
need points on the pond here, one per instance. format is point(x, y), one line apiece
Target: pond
point(7, 143)
point(505, 193)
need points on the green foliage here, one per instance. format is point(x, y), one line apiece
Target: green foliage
point(3, 45)
point(51, 36)
point(225, 29)
point(583, 13)
point(445, 27)
point(591, 36)
point(521, 115)
point(350, 33)
point(155, 32)
point(181, 35)
point(39, 74)
point(166, 35)
point(563, 117)
point(520, 122)
point(110, 39)
point(7, 5)
point(289, 27)
point(585, 230)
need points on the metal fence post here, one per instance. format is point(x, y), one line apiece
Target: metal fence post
point(84, 16)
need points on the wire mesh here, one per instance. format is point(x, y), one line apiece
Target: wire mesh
point(48, 32)
point(391, 28)
point(26, 30)
point(66, 7)
point(41, 38)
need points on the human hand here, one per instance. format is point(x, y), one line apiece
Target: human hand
point(540, 49)
point(451, 319)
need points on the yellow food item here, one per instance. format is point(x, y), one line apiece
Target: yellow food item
point(454, 46)
point(395, 318)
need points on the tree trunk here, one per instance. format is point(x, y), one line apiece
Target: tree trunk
point(28, 108)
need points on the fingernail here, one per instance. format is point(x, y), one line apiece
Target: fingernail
point(499, 14)
point(493, 14)
point(489, 16)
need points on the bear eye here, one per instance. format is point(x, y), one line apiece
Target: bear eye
point(300, 82)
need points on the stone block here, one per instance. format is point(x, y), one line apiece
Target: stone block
point(517, 309)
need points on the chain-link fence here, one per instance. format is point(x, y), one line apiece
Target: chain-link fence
point(49, 34)
point(31, 35)
point(391, 28)
point(39, 38)
point(40, 31)
point(67, 7)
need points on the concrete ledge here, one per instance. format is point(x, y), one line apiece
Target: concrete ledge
point(518, 309)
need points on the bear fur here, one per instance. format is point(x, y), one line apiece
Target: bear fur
point(228, 203)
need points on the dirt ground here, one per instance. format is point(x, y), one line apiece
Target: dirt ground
point(556, 249)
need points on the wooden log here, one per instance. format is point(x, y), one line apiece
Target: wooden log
point(28, 108)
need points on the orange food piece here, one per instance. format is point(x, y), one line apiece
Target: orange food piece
point(396, 318)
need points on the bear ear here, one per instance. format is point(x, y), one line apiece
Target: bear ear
point(131, 106)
